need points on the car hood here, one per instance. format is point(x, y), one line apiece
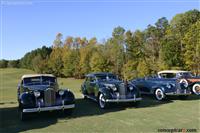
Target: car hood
point(114, 82)
point(38, 87)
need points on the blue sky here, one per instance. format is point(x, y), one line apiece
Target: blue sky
point(28, 24)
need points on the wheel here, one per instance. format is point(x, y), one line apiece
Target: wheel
point(68, 111)
point(196, 89)
point(183, 97)
point(159, 94)
point(102, 101)
point(23, 116)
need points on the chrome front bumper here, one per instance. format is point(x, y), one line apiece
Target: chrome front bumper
point(124, 100)
point(39, 109)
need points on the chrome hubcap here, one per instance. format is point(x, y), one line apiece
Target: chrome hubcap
point(159, 94)
point(102, 101)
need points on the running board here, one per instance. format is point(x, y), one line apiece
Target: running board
point(92, 98)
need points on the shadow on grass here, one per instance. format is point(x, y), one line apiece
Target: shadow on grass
point(189, 98)
point(10, 120)
point(150, 101)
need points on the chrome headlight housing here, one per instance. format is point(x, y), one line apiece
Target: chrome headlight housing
point(131, 88)
point(112, 86)
point(61, 92)
point(36, 93)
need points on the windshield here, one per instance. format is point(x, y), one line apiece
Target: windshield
point(104, 77)
point(40, 80)
point(167, 75)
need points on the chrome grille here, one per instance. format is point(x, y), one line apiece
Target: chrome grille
point(122, 90)
point(49, 97)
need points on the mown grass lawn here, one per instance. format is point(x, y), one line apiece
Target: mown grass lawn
point(150, 116)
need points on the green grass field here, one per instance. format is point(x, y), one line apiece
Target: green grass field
point(150, 116)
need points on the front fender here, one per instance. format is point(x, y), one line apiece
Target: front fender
point(106, 92)
point(68, 97)
point(27, 100)
point(162, 87)
point(191, 85)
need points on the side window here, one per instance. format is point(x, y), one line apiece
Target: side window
point(167, 75)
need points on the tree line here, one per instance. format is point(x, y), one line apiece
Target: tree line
point(167, 44)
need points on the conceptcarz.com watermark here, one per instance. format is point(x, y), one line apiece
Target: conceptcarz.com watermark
point(175, 130)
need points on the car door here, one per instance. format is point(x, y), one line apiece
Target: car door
point(90, 84)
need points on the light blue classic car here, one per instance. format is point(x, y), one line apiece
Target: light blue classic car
point(169, 82)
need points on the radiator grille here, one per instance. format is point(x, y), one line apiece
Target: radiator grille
point(122, 90)
point(49, 97)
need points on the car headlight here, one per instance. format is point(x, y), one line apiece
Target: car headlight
point(168, 86)
point(184, 82)
point(131, 88)
point(61, 92)
point(114, 88)
point(36, 93)
point(111, 86)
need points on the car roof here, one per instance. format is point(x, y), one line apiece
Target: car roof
point(36, 75)
point(173, 71)
point(98, 73)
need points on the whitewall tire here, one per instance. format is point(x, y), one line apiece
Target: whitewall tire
point(159, 94)
point(102, 101)
point(196, 89)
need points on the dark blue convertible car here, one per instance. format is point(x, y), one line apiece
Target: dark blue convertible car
point(169, 82)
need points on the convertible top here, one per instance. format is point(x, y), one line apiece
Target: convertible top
point(172, 71)
point(36, 75)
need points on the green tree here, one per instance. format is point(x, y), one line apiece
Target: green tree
point(3, 63)
point(129, 70)
point(191, 42)
point(143, 69)
point(14, 63)
point(55, 61)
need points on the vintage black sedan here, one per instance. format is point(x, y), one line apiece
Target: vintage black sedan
point(106, 88)
point(168, 82)
point(40, 92)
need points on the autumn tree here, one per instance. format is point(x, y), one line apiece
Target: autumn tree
point(55, 61)
point(191, 42)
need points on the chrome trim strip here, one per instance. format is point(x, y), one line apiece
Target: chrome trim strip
point(177, 94)
point(124, 100)
point(39, 109)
